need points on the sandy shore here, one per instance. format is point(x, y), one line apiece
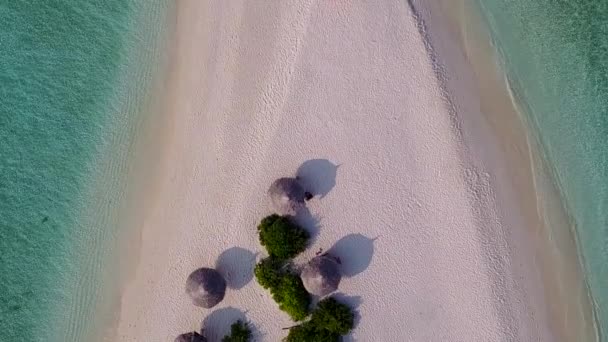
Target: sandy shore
point(411, 194)
point(548, 242)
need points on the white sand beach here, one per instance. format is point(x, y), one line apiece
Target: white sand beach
point(412, 189)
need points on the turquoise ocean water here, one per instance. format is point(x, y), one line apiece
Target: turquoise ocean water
point(555, 53)
point(74, 76)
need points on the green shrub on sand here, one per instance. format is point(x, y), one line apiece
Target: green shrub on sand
point(239, 332)
point(282, 238)
point(307, 332)
point(292, 297)
point(286, 288)
point(268, 272)
point(333, 316)
point(330, 320)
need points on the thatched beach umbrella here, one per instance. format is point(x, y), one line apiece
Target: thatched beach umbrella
point(321, 276)
point(206, 287)
point(288, 196)
point(190, 337)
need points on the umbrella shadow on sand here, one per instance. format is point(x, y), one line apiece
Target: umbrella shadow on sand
point(317, 176)
point(236, 266)
point(311, 223)
point(217, 324)
point(355, 252)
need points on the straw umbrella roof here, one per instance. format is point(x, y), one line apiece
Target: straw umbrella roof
point(287, 196)
point(206, 287)
point(190, 337)
point(321, 276)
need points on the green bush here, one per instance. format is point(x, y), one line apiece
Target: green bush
point(292, 297)
point(307, 332)
point(282, 238)
point(333, 316)
point(286, 288)
point(239, 332)
point(330, 320)
point(268, 272)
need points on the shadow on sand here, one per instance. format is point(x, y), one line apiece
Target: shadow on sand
point(311, 223)
point(317, 176)
point(236, 266)
point(355, 252)
point(217, 324)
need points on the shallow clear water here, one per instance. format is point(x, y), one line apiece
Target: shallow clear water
point(556, 55)
point(66, 107)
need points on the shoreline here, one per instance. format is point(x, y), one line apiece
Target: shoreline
point(540, 199)
point(240, 100)
point(562, 97)
point(77, 77)
point(123, 179)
